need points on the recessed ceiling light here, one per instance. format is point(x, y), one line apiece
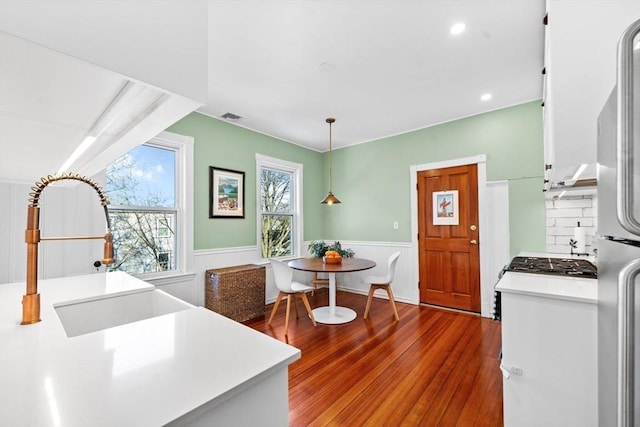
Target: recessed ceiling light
point(485, 96)
point(457, 28)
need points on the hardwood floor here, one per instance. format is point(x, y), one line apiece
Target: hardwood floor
point(432, 368)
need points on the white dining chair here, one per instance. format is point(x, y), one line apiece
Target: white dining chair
point(383, 282)
point(288, 288)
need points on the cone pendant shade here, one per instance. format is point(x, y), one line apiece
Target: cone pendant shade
point(330, 199)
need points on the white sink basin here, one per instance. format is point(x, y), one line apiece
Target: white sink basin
point(80, 318)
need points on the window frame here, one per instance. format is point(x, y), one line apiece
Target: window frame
point(183, 252)
point(296, 169)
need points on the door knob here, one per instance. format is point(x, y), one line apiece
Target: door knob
point(473, 228)
point(474, 242)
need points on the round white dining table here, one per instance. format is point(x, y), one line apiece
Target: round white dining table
point(332, 314)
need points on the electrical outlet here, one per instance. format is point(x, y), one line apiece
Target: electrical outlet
point(395, 225)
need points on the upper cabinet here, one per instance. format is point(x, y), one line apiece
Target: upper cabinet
point(114, 72)
point(581, 39)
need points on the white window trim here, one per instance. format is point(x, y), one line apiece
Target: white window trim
point(183, 146)
point(296, 169)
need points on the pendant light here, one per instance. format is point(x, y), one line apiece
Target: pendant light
point(330, 199)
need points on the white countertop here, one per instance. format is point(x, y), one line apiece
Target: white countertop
point(550, 286)
point(146, 373)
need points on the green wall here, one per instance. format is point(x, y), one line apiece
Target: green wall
point(372, 180)
point(224, 145)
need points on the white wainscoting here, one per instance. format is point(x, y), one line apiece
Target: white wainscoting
point(405, 283)
point(76, 210)
point(73, 211)
point(495, 243)
point(404, 287)
point(219, 258)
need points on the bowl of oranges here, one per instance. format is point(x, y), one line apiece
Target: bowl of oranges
point(332, 257)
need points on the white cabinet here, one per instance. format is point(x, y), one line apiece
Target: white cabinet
point(580, 61)
point(549, 351)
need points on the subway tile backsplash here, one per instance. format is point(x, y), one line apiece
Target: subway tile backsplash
point(563, 216)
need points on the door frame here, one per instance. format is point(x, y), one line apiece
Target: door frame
point(486, 287)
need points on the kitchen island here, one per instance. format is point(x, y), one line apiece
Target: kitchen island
point(190, 366)
point(549, 350)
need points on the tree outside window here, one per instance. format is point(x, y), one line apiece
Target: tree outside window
point(142, 192)
point(276, 212)
point(279, 207)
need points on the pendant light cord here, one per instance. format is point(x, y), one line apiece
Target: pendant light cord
point(330, 199)
point(330, 160)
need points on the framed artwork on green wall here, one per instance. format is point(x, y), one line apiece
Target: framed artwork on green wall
point(226, 193)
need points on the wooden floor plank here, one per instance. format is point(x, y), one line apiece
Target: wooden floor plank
point(433, 367)
point(429, 411)
point(374, 404)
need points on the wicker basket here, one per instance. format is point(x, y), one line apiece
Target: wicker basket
point(236, 292)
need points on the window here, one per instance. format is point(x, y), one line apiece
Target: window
point(148, 206)
point(279, 207)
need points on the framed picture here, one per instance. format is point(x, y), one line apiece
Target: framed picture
point(445, 208)
point(226, 193)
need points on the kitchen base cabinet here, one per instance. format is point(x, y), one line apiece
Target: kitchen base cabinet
point(262, 402)
point(549, 360)
point(190, 367)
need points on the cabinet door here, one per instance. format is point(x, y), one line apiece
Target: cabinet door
point(549, 348)
point(580, 60)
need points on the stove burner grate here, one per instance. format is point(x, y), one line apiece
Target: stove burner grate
point(555, 266)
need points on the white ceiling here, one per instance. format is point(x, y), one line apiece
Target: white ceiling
point(379, 67)
point(42, 113)
point(49, 103)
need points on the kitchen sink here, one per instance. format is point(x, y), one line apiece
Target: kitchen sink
point(80, 318)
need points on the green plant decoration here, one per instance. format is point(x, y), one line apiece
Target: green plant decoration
point(318, 248)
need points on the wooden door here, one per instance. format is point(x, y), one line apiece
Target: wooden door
point(449, 256)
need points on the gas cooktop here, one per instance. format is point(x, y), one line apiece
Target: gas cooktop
point(556, 266)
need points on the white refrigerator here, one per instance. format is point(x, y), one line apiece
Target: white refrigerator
point(619, 243)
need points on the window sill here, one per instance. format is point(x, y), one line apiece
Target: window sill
point(168, 278)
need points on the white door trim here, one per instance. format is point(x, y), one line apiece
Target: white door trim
point(481, 162)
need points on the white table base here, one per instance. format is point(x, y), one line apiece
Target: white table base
point(331, 314)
